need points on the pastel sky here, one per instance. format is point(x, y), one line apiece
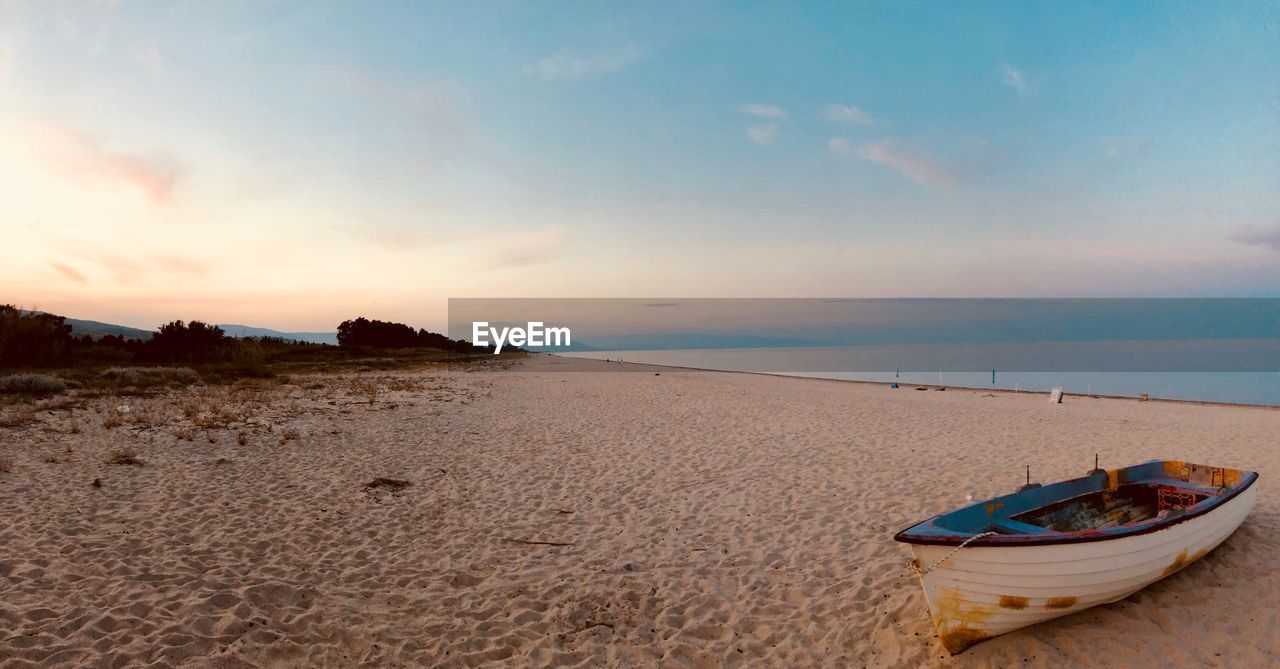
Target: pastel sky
point(290, 165)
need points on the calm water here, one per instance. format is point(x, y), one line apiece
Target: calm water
point(1237, 387)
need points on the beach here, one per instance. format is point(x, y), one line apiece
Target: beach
point(575, 513)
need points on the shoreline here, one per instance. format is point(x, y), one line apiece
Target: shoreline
point(932, 386)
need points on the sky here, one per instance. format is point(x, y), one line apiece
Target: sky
point(291, 165)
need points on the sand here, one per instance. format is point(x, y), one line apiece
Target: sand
point(711, 519)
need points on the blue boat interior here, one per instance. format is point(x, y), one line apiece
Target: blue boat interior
point(1104, 504)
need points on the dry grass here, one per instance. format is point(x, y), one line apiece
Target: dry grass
point(32, 384)
point(112, 419)
point(124, 456)
point(18, 418)
point(52, 459)
point(185, 434)
point(217, 416)
point(58, 404)
point(144, 417)
point(136, 380)
point(404, 385)
point(151, 376)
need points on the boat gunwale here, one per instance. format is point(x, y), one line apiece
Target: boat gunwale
point(1055, 538)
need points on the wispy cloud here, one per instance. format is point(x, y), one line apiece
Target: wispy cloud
point(1012, 77)
point(81, 156)
point(533, 247)
point(149, 58)
point(840, 147)
point(70, 273)
point(1254, 235)
point(914, 165)
point(849, 114)
point(568, 64)
point(763, 134)
point(763, 111)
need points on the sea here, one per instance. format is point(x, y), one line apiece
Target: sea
point(1234, 387)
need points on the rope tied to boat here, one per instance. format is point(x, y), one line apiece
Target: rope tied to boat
point(915, 566)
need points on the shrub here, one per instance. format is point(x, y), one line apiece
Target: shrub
point(31, 384)
point(124, 456)
point(383, 334)
point(30, 338)
point(189, 342)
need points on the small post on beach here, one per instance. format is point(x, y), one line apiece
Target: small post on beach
point(993, 377)
point(1095, 471)
point(1029, 485)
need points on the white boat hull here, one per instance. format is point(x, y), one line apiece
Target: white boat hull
point(982, 591)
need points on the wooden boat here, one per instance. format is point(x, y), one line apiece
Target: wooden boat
point(1047, 551)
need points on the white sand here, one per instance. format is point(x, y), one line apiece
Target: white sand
point(756, 515)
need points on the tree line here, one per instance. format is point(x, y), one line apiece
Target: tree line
point(30, 338)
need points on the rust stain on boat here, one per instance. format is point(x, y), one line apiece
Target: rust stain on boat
point(960, 639)
point(993, 507)
point(959, 621)
point(1181, 560)
point(1116, 478)
point(1176, 469)
point(1060, 603)
point(1012, 602)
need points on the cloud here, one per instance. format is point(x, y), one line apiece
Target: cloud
point(183, 265)
point(149, 58)
point(1253, 235)
point(124, 269)
point(567, 64)
point(849, 114)
point(534, 247)
point(1012, 77)
point(82, 157)
point(840, 147)
point(763, 134)
point(911, 164)
point(763, 111)
point(70, 273)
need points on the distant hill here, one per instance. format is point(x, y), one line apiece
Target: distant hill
point(236, 330)
point(97, 330)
